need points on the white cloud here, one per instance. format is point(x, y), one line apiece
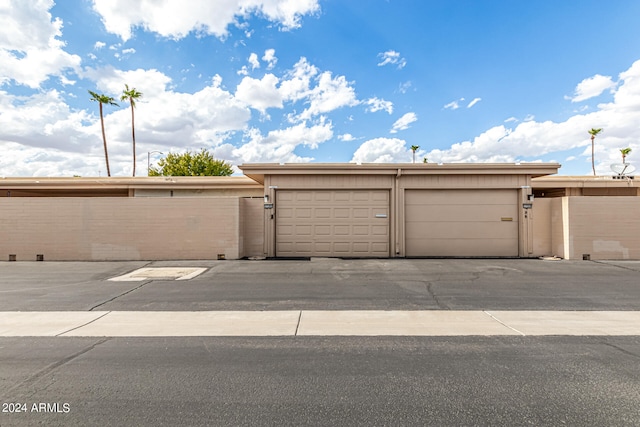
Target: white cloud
point(376, 104)
point(533, 139)
point(328, 94)
point(27, 25)
point(42, 120)
point(152, 83)
point(592, 87)
point(346, 137)
point(474, 102)
point(391, 57)
point(403, 122)
point(165, 120)
point(279, 145)
point(253, 61)
point(99, 45)
point(30, 51)
point(175, 19)
point(404, 87)
point(382, 150)
point(453, 105)
point(270, 58)
point(297, 82)
point(259, 94)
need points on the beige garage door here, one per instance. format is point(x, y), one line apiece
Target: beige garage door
point(461, 222)
point(332, 223)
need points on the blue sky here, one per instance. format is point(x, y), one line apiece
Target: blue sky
point(318, 81)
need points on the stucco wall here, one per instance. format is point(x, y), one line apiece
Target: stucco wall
point(120, 228)
point(252, 214)
point(558, 210)
point(602, 227)
point(541, 215)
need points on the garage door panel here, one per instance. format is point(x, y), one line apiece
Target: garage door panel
point(462, 247)
point(333, 223)
point(465, 197)
point(470, 230)
point(460, 213)
point(380, 196)
point(286, 213)
point(461, 223)
point(361, 213)
point(322, 197)
point(323, 213)
point(380, 230)
point(303, 196)
point(322, 230)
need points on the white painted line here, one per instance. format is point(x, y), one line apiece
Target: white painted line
point(572, 322)
point(410, 323)
point(44, 323)
point(187, 324)
point(318, 323)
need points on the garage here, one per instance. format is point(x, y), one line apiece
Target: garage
point(461, 222)
point(332, 223)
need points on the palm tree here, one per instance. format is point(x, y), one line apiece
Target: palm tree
point(131, 95)
point(625, 152)
point(593, 132)
point(414, 148)
point(103, 99)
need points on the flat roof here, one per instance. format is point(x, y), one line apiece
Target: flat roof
point(257, 171)
point(126, 183)
point(583, 182)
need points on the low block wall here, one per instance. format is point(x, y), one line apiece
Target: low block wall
point(600, 227)
point(541, 216)
point(100, 229)
point(252, 214)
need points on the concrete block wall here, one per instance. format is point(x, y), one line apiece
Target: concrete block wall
point(94, 229)
point(541, 216)
point(252, 214)
point(602, 227)
point(596, 228)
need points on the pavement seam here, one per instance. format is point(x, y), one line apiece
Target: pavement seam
point(83, 325)
point(50, 368)
point(503, 324)
point(295, 334)
point(620, 349)
point(614, 265)
point(121, 295)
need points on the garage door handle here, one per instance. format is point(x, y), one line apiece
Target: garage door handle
point(381, 215)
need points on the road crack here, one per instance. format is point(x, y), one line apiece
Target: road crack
point(51, 368)
point(121, 295)
point(432, 294)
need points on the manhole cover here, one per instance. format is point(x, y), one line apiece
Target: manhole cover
point(157, 273)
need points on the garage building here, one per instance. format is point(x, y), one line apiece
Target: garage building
point(398, 210)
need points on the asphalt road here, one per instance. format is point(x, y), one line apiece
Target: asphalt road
point(420, 284)
point(473, 380)
point(324, 381)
